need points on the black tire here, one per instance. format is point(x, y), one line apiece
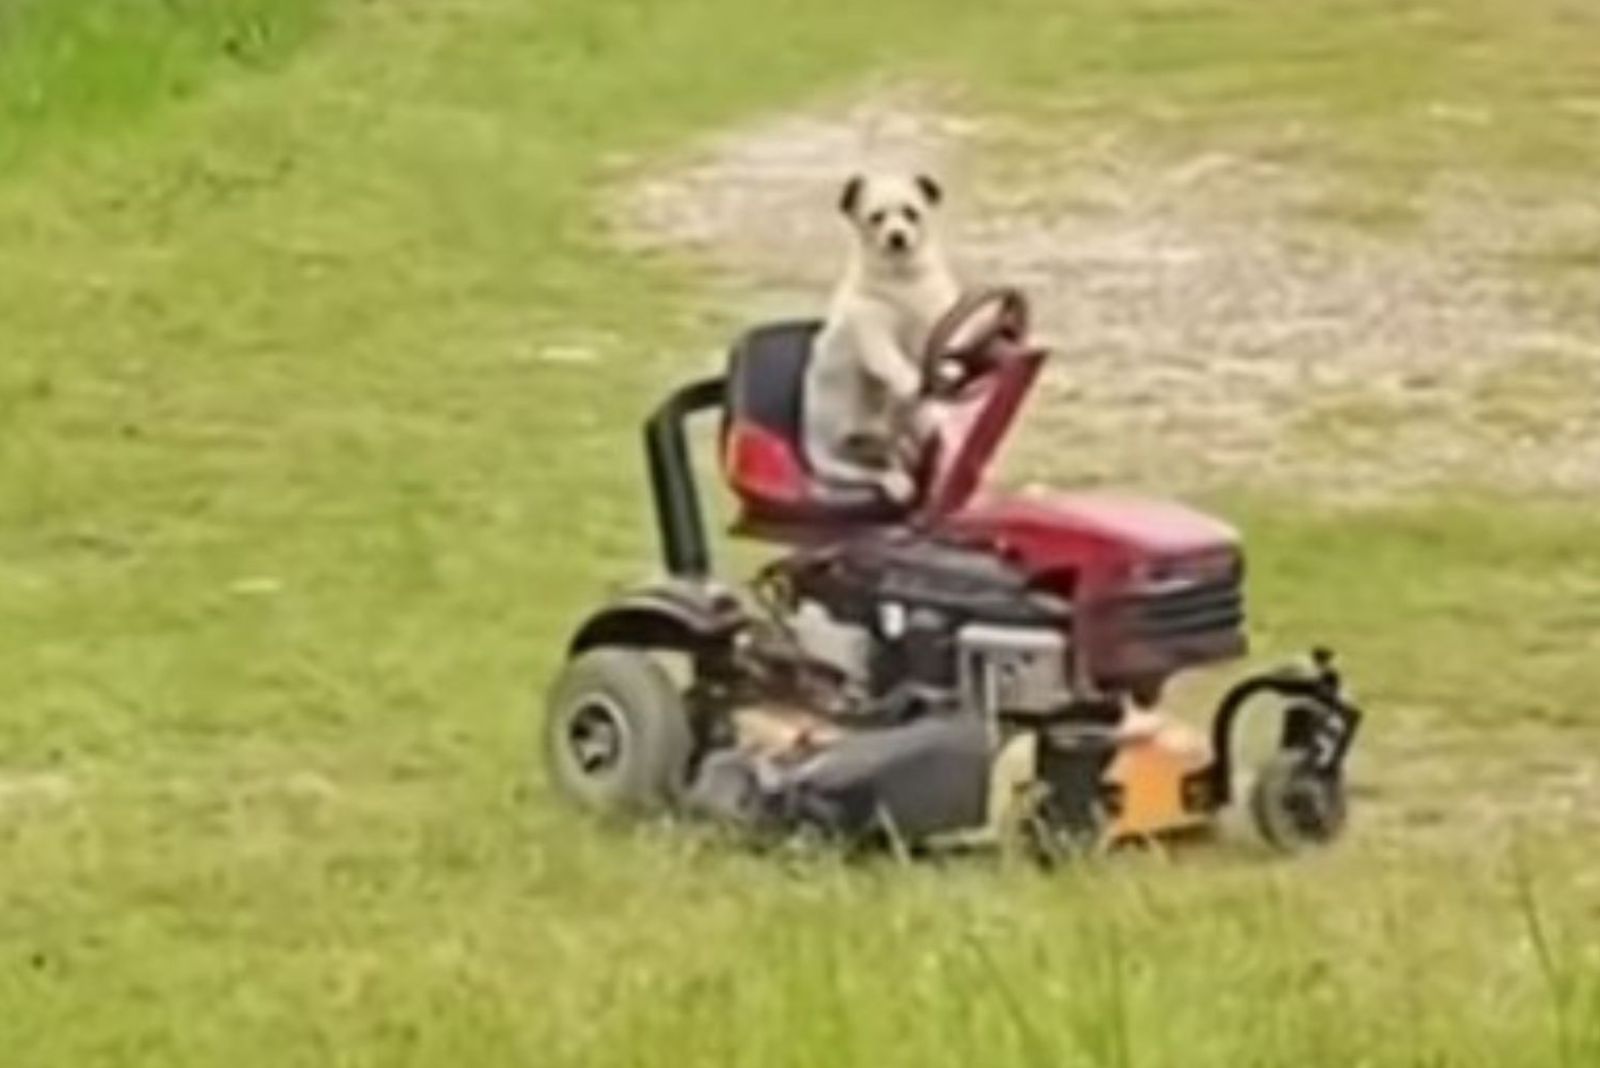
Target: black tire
point(1294, 806)
point(617, 739)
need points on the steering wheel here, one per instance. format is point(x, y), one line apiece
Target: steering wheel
point(961, 345)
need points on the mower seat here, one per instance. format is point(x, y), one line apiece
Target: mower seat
point(763, 440)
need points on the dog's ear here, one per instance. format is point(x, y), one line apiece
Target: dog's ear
point(850, 195)
point(930, 189)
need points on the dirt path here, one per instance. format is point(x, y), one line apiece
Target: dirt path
point(1220, 318)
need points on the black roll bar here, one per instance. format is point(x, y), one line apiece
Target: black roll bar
point(684, 548)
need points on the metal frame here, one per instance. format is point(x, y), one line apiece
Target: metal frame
point(1319, 717)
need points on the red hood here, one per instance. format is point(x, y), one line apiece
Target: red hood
point(1093, 531)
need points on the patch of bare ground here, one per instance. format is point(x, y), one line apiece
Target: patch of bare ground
point(1220, 319)
point(21, 791)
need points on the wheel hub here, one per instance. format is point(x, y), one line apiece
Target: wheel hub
point(1309, 807)
point(595, 737)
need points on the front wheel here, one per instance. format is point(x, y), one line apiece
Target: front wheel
point(1294, 805)
point(617, 738)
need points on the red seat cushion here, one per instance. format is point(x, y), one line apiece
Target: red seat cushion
point(763, 446)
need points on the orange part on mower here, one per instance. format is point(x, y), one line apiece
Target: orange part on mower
point(1150, 768)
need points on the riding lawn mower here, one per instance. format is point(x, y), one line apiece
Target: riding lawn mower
point(962, 667)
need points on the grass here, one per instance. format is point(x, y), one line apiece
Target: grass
point(297, 513)
point(94, 66)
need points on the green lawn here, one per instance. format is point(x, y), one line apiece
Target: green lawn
point(294, 517)
point(95, 67)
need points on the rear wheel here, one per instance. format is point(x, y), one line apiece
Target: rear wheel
point(617, 738)
point(1294, 805)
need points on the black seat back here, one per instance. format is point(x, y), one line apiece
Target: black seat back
point(766, 387)
point(767, 379)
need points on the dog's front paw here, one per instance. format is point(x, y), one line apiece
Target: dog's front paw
point(899, 487)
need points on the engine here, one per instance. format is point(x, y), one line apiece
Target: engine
point(913, 625)
point(1012, 670)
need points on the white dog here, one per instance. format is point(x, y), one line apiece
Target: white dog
point(863, 384)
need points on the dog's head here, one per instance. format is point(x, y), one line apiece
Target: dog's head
point(891, 213)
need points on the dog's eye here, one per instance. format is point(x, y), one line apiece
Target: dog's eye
point(911, 214)
point(876, 218)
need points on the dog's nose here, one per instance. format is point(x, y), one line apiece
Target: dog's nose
point(898, 241)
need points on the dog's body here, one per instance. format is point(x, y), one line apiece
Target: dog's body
point(863, 416)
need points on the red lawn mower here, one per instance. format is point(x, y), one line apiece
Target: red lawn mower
point(963, 667)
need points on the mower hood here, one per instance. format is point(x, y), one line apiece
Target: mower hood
point(1051, 531)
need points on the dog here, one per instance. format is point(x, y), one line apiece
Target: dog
point(863, 414)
